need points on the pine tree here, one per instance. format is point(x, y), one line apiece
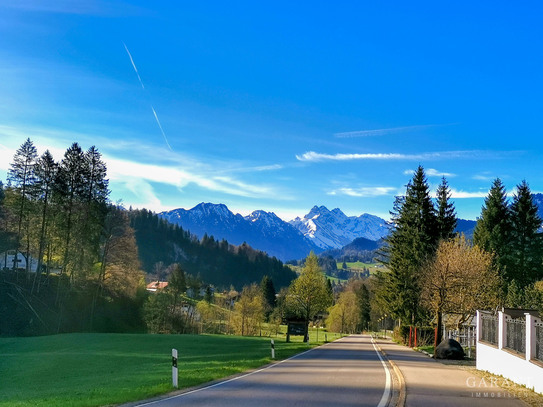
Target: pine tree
point(364, 306)
point(268, 292)
point(411, 243)
point(493, 230)
point(21, 177)
point(178, 282)
point(71, 187)
point(46, 173)
point(446, 214)
point(525, 260)
point(94, 197)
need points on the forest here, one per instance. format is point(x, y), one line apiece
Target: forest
point(433, 270)
point(71, 261)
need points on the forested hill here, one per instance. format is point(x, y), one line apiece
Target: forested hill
point(216, 262)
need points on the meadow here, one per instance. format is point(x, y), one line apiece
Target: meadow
point(104, 369)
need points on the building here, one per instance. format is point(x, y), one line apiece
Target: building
point(157, 286)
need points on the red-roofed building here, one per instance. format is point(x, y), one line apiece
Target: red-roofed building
point(157, 285)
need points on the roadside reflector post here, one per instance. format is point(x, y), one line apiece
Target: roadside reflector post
point(272, 349)
point(174, 368)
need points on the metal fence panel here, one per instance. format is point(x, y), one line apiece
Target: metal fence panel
point(489, 329)
point(515, 338)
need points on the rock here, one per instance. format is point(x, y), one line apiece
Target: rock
point(449, 349)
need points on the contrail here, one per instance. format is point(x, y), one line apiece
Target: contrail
point(133, 65)
point(160, 127)
point(383, 132)
point(143, 87)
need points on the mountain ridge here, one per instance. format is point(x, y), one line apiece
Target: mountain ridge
point(319, 230)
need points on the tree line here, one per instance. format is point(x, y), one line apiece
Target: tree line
point(433, 271)
point(81, 269)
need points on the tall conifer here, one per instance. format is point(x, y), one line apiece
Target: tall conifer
point(493, 229)
point(525, 260)
point(411, 243)
point(446, 214)
point(46, 173)
point(21, 177)
point(71, 185)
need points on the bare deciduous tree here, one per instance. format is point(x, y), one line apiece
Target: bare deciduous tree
point(460, 279)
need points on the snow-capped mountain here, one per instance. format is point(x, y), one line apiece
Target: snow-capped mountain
point(319, 230)
point(261, 230)
point(333, 229)
point(214, 219)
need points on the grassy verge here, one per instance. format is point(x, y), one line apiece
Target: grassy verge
point(102, 369)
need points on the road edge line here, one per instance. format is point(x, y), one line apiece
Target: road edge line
point(399, 375)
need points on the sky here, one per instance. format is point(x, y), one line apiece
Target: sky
point(279, 106)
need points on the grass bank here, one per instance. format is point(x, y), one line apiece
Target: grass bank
point(103, 369)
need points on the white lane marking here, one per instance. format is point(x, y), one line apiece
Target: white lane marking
point(386, 393)
point(231, 380)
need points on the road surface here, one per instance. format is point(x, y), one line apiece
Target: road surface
point(347, 372)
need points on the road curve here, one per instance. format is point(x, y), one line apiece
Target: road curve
point(347, 372)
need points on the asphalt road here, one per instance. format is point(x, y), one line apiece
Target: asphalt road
point(347, 372)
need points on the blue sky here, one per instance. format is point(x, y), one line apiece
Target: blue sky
point(280, 105)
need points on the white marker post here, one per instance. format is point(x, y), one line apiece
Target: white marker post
point(273, 349)
point(174, 368)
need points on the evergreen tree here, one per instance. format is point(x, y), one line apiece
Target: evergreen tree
point(94, 198)
point(268, 292)
point(411, 243)
point(46, 173)
point(446, 214)
point(71, 187)
point(21, 178)
point(493, 230)
point(178, 282)
point(525, 259)
point(364, 306)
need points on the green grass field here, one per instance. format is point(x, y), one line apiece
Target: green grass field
point(104, 369)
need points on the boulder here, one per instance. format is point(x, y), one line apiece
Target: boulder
point(449, 349)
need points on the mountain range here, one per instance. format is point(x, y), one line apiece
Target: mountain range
point(319, 230)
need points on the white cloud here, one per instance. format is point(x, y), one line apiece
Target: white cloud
point(6, 156)
point(463, 194)
point(312, 156)
point(261, 168)
point(431, 172)
point(381, 132)
point(164, 167)
point(364, 192)
point(484, 177)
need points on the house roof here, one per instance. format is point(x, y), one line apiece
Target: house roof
point(157, 285)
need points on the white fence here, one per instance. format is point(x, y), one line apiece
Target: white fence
point(511, 346)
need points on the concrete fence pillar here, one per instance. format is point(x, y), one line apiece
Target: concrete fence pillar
point(502, 330)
